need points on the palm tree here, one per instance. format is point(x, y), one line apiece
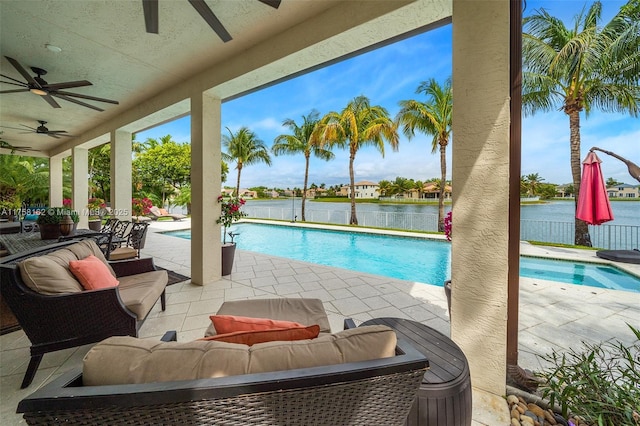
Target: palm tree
point(581, 68)
point(419, 186)
point(533, 180)
point(305, 139)
point(384, 187)
point(244, 148)
point(360, 124)
point(432, 117)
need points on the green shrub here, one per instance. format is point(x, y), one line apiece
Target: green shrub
point(599, 382)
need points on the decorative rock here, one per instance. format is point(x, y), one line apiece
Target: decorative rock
point(524, 419)
point(514, 422)
point(521, 407)
point(512, 399)
point(515, 414)
point(560, 420)
point(535, 409)
point(548, 416)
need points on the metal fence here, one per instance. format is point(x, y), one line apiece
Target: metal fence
point(611, 237)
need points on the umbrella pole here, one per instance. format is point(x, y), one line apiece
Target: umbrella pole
point(634, 170)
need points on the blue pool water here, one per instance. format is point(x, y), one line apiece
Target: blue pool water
point(413, 259)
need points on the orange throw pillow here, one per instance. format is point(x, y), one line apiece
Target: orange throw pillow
point(92, 273)
point(260, 336)
point(231, 323)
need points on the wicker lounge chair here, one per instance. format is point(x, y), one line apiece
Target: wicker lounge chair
point(156, 213)
point(377, 392)
point(59, 321)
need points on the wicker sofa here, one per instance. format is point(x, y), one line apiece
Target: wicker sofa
point(375, 391)
point(56, 313)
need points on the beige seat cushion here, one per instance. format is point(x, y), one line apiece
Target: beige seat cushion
point(133, 360)
point(303, 311)
point(141, 291)
point(122, 253)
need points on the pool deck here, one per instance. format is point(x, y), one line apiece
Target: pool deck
point(552, 315)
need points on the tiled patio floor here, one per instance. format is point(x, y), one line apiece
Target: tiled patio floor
point(552, 315)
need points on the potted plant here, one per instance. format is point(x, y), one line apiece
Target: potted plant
point(95, 206)
point(230, 212)
point(49, 223)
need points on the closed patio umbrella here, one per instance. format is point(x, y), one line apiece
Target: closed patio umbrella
point(593, 201)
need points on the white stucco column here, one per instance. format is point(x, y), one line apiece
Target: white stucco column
point(55, 181)
point(481, 187)
point(121, 174)
point(80, 179)
point(206, 252)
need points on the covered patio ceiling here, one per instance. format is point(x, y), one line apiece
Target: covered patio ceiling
point(153, 75)
point(186, 69)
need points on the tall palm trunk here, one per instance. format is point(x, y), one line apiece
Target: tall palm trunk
point(443, 183)
point(304, 187)
point(238, 182)
point(582, 237)
point(354, 217)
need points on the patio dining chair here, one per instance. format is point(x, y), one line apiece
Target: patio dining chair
point(109, 225)
point(135, 242)
point(120, 232)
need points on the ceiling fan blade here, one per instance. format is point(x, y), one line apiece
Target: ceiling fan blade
point(58, 131)
point(15, 128)
point(67, 85)
point(22, 83)
point(48, 99)
point(52, 135)
point(28, 127)
point(91, 98)
point(14, 91)
point(211, 19)
point(67, 98)
point(273, 3)
point(150, 9)
point(22, 71)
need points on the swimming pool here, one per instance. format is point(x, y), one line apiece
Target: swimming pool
point(413, 259)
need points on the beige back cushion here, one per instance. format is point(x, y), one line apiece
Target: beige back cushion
point(303, 311)
point(50, 274)
point(133, 360)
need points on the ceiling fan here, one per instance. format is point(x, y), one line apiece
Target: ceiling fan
point(41, 130)
point(39, 86)
point(6, 145)
point(150, 8)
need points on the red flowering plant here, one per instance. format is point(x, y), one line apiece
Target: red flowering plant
point(95, 206)
point(230, 212)
point(66, 202)
point(448, 226)
point(141, 206)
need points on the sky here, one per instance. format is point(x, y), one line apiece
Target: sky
point(391, 74)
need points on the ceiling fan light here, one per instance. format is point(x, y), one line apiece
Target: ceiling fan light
point(39, 92)
point(52, 48)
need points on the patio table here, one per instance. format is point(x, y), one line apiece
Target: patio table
point(444, 398)
point(16, 243)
